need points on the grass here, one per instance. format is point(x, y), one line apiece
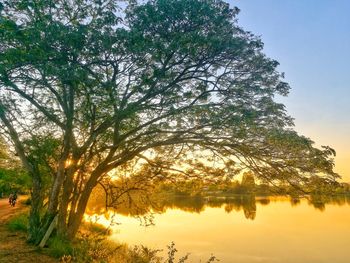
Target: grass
point(18, 223)
point(59, 247)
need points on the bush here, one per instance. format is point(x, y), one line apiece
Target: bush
point(18, 223)
point(92, 248)
point(92, 245)
point(95, 248)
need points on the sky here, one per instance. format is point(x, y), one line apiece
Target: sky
point(311, 40)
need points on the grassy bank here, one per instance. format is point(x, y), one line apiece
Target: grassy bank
point(91, 245)
point(18, 223)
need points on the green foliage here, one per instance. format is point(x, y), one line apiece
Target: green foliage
point(14, 180)
point(18, 223)
point(248, 180)
point(12, 176)
point(3, 153)
point(43, 152)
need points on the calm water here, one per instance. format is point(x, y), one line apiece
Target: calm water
point(245, 230)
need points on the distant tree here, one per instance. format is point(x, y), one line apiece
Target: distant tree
point(175, 85)
point(4, 156)
point(12, 177)
point(13, 180)
point(248, 180)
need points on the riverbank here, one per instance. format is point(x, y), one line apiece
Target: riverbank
point(91, 246)
point(13, 246)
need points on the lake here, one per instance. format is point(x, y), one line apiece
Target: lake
point(246, 229)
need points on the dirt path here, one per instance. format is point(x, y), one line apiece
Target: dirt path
point(6, 211)
point(13, 246)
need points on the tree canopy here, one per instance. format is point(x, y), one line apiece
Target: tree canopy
point(176, 85)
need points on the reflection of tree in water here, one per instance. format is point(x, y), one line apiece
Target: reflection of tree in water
point(320, 201)
point(249, 207)
point(245, 202)
point(196, 204)
point(263, 200)
point(137, 205)
point(233, 204)
point(294, 201)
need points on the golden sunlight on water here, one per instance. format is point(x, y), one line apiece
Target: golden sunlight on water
point(280, 233)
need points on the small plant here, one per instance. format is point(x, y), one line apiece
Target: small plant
point(171, 256)
point(142, 254)
point(66, 259)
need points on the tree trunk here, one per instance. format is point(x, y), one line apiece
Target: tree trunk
point(64, 205)
point(61, 173)
point(77, 217)
point(34, 228)
point(56, 188)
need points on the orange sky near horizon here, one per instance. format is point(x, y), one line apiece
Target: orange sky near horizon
point(332, 136)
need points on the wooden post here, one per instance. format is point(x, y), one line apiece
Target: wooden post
point(49, 231)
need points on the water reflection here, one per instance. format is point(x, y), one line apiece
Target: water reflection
point(238, 228)
point(139, 205)
point(284, 229)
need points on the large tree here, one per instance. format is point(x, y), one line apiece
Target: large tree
point(90, 87)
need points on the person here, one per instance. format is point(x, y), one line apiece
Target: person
point(13, 199)
point(10, 199)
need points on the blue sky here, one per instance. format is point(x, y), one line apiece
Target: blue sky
point(311, 40)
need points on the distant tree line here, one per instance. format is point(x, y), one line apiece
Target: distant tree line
point(248, 185)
